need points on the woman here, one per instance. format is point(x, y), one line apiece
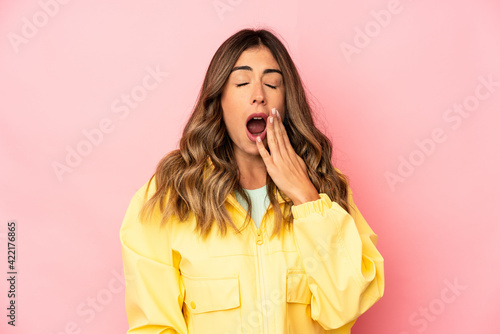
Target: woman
point(248, 227)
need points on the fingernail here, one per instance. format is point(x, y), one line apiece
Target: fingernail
point(273, 111)
point(271, 120)
point(278, 113)
point(258, 139)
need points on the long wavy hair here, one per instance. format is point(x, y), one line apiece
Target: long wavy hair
point(197, 178)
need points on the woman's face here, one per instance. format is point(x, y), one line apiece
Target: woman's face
point(254, 87)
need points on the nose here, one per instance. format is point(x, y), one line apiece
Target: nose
point(258, 99)
point(258, 95)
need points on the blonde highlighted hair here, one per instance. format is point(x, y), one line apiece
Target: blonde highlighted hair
point(197, 178)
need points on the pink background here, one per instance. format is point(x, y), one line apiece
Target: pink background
point(387, 104)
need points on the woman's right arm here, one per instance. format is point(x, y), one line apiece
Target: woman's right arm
point(154, 294)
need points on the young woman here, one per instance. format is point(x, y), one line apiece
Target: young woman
point(248, 227)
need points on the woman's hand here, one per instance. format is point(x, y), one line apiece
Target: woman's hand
point(284, 166)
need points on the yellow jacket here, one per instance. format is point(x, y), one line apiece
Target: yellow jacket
point(317, 278)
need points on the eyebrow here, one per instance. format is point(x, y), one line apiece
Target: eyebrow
point(248, 68)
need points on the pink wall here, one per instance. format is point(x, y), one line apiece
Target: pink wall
point(401, 87)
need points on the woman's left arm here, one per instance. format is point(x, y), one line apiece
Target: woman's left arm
point(345, 271)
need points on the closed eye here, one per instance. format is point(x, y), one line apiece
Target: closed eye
point(246, 83)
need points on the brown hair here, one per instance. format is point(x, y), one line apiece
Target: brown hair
point(185, 186)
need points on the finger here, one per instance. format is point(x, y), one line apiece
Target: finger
point(288, 146)
point(263, 151)
point(279, 134)
point(271, 137)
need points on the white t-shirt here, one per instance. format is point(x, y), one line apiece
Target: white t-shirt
point(260, 202)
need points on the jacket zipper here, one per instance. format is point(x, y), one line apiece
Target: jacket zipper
point(263, 294)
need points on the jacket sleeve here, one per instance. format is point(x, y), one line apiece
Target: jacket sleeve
point(153, 294)
point(345, 271)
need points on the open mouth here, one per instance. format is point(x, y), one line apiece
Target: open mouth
point(256, 126)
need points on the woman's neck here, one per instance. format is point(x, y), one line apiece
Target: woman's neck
point(253, 172)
